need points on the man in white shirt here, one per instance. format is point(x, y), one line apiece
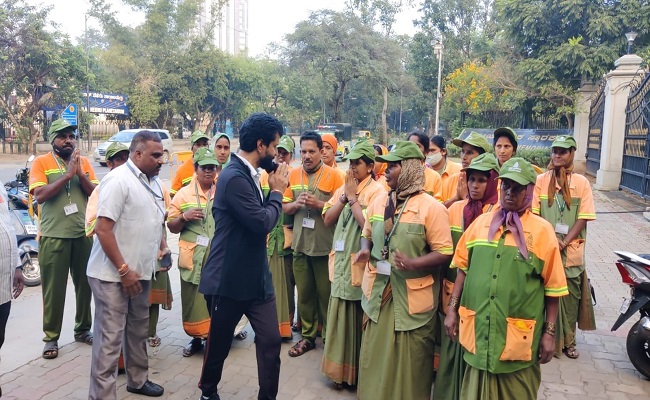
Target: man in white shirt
point(130, 217)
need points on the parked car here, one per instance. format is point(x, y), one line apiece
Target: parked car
point(125, 138)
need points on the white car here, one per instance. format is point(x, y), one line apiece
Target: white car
point(125, 138)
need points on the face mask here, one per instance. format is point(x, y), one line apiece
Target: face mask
point(434, 159)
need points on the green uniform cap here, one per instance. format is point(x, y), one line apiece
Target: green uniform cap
point(114, 148)
point(403, 150)
point(287, 143)
point(475, 139)
point(485, 162)
point(505, 131)
point(205, 156)
point(565, 141)
point(197, 135)
point(518, 170)
point(360, 149)
point(58, 126)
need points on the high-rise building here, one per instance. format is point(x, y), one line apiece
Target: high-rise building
point(231, 30)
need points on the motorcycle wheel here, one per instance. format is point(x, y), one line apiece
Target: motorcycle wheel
point(31, 270)
point(638, 350)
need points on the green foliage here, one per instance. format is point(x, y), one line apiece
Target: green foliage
point(540, 157)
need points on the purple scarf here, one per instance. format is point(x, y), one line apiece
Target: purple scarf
point(512, 221)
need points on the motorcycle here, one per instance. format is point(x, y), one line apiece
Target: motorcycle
point(635, 272)
point(18, 190)
point(26, 228)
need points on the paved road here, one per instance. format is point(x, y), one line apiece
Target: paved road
point(603, 370)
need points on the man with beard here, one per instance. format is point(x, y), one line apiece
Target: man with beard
point(61, 182)
point(236, 279)
point(129, 236)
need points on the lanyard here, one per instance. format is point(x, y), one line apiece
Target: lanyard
point(156, 196)
point(349, 216)
point(67, 185)
point(561, 208)
point(316, 182)
point(384, 252)
point(198, 201)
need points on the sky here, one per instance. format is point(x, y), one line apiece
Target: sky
point(269, 20)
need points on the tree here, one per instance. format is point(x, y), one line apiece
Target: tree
point(38, 68)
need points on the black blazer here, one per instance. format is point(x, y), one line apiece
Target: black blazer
point(237, 266)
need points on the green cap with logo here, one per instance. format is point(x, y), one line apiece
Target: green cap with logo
point(403, 150)
point(114, 148)
point(565, 141)
point(505, 131)
point(485, 162)
point(198, 135)
point(58, 126)
point(360, 149)
point(205, 156)
point(287, 143)
point(518, 170)
point(475, 139)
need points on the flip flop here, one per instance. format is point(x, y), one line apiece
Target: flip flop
point(571, 352)
point(193, 347)
point(51, 350)
point(84, 337)
point(241, 335)
point(154, 341)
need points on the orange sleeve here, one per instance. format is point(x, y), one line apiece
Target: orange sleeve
point(288, 192)
point(89, 170)
point(175, 207)
point(335, 197)
point(437, 230)
point(338, 179)
point(366, 231)
point(37, 177)
point(437, 186)
point(553, 272)
point(587, 209)
point(461, 255)
point(537, 191)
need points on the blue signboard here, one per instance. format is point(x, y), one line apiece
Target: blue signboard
point(70, 114)
point(530, 139)
point(106, 103)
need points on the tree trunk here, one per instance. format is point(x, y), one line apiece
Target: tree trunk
point(431, 126)
point(384, 127)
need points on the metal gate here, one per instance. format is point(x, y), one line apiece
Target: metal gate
point(636, 154)
point(595, 136)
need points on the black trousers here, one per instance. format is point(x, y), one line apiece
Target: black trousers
point(4, 316)
point(225, 313)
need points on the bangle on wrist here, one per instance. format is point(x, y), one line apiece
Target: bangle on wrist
point(122, 268)
point(183, 217)
point(126, 271)
point(343, 199)
point(549, 327)
point(454, 302)
point(353, 202)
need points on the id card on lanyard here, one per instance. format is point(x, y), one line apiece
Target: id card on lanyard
point(383, 266)
point(71, 208)
point(308, 222)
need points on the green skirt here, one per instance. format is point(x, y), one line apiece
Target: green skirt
point(574, 309)
point(279, 275)
point(341, 357)
point(196, 320)
point(161, 291)
point(520, 385)
point(395, 365)
point(451, 368)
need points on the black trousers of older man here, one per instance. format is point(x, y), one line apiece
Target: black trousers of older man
point(225, 313)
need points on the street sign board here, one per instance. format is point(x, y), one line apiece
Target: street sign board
point(70, 114)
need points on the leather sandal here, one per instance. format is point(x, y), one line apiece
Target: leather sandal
point(571, 352)
point(301, 348)
point(51, 350)
point(193, 347)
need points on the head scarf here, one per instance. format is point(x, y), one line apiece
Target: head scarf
point(213, 143)
point(512, 221)
point(382, 166)
point(331, 140)
point(474, 208)
point(409, 182)
point(561, 177)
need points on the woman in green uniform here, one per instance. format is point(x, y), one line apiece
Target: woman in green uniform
point(482, 180)
point(504, 304)
point(190, 215)
point(346, 209)
point(406, 238)
point(564, 199)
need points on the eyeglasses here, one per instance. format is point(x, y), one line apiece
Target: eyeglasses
point(208, 168)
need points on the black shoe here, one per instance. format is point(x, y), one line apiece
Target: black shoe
point(148, 389)
point(214, 396)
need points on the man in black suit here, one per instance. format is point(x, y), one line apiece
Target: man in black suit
point(236, 279)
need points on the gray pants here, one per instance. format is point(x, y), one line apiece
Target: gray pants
point(118, 319)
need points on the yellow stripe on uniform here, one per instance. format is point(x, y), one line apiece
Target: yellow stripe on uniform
point(556, 292)
point(481, 242)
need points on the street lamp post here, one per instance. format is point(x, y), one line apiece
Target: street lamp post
point(438, 49)
point(630, 39)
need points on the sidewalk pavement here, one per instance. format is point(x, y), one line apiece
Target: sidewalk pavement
point(602, 371)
